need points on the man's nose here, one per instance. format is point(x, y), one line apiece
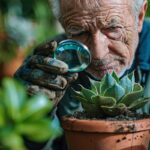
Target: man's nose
point(99, 45)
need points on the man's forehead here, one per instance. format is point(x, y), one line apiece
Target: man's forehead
point(90, 4)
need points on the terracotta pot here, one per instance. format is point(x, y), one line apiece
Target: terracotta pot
point(106, 135)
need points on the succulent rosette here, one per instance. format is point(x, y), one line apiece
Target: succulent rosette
point(112, 95)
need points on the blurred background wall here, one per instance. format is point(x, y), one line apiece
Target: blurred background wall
point(23, 25)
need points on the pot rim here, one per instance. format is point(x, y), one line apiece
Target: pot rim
point(105, 126)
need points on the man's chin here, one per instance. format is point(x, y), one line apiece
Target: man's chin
point(94, 77)
point(97, 75)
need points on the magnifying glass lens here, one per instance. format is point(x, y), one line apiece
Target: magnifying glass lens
point(73, 53)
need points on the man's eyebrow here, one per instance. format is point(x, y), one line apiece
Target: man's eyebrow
point(75, 30)
point(113, 22)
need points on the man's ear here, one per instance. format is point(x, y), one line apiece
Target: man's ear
point(142, 15)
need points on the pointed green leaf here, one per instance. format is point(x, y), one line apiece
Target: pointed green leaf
point(90, 108)
point(81, 99)
point(138, 104)
point(137, 87)
point(77, 93)
point(14, 96)
point(115, 110)
point(107, 82)
point(115, 76)
point(95, 86)
point(101, 100)
point(133, 96)
point(132, 79)
point(121, 106)
point(131, 76)
point(37, 107)
point(126, 83)
point(87, 93)
point(109, 111)
point(116, 91)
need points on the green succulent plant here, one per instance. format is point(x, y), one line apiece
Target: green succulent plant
point(112, 96)
point(23, 116)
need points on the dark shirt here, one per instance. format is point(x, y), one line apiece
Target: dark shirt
point(143, 51)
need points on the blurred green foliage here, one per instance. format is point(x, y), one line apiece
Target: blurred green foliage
point(7, 44)
point(148, 10)
point(24, 24)
point(39, 12)
point(22, 117)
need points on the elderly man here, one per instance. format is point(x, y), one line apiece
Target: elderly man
point(111, 29)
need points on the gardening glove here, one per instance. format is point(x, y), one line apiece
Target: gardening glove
point(42, 73)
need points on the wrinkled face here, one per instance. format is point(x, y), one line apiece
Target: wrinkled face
point(109, 30)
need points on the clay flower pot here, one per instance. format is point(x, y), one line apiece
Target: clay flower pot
point(106, 135)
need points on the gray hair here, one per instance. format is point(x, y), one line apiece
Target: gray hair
point(57, 12)
point(55, 7)
point(137, 6)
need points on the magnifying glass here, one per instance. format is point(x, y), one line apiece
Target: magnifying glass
point(75, 54)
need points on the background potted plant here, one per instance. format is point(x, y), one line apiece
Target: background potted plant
point(16, 38)
point(109, 120)
point(23, 25)
point(23, 117)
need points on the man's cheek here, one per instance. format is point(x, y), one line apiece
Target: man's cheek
point(121, 50)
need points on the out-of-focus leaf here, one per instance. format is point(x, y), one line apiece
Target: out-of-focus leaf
point(36, 108)
point(2, 115)
point(40, 130)
point(14, 96)
point(13, 142)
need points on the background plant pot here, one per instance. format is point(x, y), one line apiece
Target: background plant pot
point(9, 68)
point(106, 135)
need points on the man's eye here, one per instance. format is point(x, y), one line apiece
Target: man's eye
point(82, 36)
point(80, 33)
point(113, 29)
point(113, 32)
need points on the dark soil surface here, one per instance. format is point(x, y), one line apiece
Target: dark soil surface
point(127, 116)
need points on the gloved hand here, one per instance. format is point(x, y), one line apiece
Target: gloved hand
point(41, 73)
